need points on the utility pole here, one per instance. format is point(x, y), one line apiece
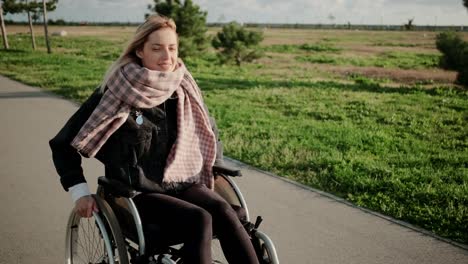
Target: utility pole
point(5, 40)
point(45, 26)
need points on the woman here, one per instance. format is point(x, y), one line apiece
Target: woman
point(150, 128)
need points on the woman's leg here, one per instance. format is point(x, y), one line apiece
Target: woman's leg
point(181, 219)
point(234, 240)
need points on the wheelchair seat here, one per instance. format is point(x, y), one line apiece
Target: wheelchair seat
point(113, 190)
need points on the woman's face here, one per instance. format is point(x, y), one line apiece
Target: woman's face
point(160, 52)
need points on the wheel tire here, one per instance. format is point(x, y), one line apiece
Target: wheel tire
point(266, 251)
point(97, 239)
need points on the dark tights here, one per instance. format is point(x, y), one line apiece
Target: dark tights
point(192, 215)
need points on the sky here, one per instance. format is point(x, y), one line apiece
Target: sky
point(377, 12)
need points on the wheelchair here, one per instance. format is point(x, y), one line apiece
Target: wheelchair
point(116, 234)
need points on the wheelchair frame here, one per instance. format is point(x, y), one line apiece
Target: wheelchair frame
point(224, 186)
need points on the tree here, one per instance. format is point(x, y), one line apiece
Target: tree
point(15, 7)
point(33, 39)
point(4, 34)
point(190, 21)
point(455, 54)
point(35, 17)
point(46, 31)
point(238, 44)
point(410, 25)
point(34, 7)
point(465, 3)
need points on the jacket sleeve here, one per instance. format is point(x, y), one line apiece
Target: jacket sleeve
point(66, 159)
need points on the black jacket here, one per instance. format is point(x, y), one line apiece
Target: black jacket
point(135, 154)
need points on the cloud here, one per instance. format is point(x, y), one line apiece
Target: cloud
point(121, 3)
point(355, 11)
point(439, 3)
point(442, 12)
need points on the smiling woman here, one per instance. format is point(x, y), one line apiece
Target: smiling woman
point(150, 127)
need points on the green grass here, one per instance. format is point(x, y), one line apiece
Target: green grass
point(391, 59)
point(394, 44)
point(325, 53)
point(400, 151)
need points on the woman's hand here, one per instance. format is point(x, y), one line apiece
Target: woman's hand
point(85, 206)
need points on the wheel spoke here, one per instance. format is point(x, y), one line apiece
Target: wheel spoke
point(88, 242)
point(96, 243)
point(81, 250)
point(95, 240)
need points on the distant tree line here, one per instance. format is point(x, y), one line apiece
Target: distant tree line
point(263, 25)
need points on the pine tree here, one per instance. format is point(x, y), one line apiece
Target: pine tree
point(190, 21)
point(237, 44)
point(455, 54)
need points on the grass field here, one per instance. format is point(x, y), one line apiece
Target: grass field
point(365, 115)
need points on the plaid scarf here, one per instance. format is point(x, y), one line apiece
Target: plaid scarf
point(194, 151)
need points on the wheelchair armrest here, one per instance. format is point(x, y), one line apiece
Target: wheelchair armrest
point(225, 170)
point(116, 187)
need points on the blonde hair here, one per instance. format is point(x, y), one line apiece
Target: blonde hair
point(151, 24)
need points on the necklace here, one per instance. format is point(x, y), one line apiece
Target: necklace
point(138, 117)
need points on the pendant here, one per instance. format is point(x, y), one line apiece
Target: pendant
point(139, 118)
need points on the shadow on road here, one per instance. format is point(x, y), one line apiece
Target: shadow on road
point(18, 95)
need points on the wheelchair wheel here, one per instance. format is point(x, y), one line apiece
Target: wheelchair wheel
point(97, 239)
point(266, 251)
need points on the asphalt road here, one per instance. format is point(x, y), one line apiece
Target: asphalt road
point(306, 226)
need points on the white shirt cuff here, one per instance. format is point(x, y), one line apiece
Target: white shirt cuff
point(79, 190)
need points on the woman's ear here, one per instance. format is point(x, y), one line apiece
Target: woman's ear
point(138, 53)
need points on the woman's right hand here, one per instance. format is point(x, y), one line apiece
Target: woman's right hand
point(85, 206)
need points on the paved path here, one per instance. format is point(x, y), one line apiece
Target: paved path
point(306, 226)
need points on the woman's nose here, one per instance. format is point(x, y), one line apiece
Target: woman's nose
point(166, 54)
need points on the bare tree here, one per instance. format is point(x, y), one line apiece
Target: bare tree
point(410, 24)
